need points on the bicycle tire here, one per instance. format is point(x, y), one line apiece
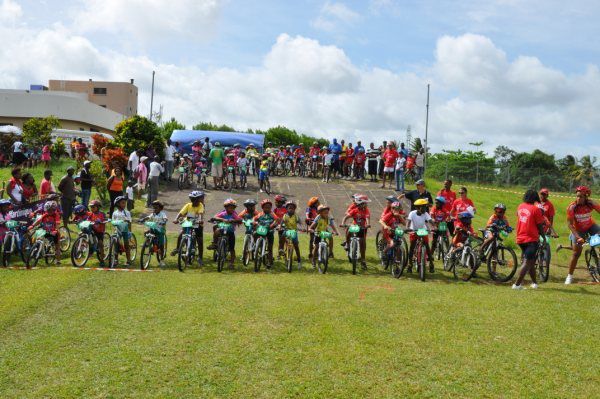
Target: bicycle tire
point(247, 250)
point(6, 254)
point(544, 263)
point(257, 255)
point(593, 264)
point(80, 253)
point(467, 270)
point(180, 181)
point(65, 238)
point(397, 265)
point(146, 255)
point(323, 258)
point(133, 247)
point(221, 253)
point(289, 258)
point(422, 265)
point(507, 259)
point(35, 252)
point(353, 253)
point(380, 246)
point(113, 257)
point(183, 254)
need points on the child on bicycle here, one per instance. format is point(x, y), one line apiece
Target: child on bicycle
point(242, 165)
point(5, 205)
point(497, 221)
point(227, 215)
point(193, 210)
point(279, 211)
point(327, 165)
point(390, 220)
point(80, 214)
point(50, 222)
point(263, 173)
point(99, 219)
point(290, 221)
point(439, 214)
point(249, 213)
point(267, 218)
point(120, 213)
point(159, 216)
point(311, 213)
point(323, 222)
point(361, 217)
point(420, 219)
point(462, 230)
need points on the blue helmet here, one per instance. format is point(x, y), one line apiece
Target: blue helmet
point(440, 199)
point(465, 216)
point(79, 209)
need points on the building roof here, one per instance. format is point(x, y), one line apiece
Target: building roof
point(64, 105)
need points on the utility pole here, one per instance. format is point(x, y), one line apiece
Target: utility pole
point(408, 137)
point(152, 96)
point(426, 130)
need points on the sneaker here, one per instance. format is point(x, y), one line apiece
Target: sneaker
point(363, 264)
point(299, 265)
point(431, 268)
point(569, 279)
point(161, 263)
point(517, 287)
point(261, 191)
point(533, 286)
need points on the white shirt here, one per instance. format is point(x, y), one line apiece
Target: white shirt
point(160, 218)
point(121, 215)
point(155, 169)
point(17, 192)
point(129, 192)
point(328, 160)
point(419, 160)
point(17, 146)
point(135, 161)
point(417, 222)
point(400, 163)
point(242, 162)
point(170, 152)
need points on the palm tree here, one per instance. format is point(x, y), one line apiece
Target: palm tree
point(586, 170)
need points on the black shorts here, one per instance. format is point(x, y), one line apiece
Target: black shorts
point(230, 241)
point(529, 249)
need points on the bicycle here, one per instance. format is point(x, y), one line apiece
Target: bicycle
point(381, 245)
point(184, 178)
point(243, 171)
point(465, 261)
point(222, 247)
point(202, 178)
point(116, 247)
point(396, 256)
point(442, 243)
point(151, 245)
point(353, 246)
point(323, 251)
point(314, 166)
point(542, 259)
point(501, 260)
point(289, 250)
point(261, 253)
point(86, 244)
point(591, 255)
point(248, 247)
point(229, 178)
point(13, 241)
point(419, 255)
point(187, 244)
point(41, 248)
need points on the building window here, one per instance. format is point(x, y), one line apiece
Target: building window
point(94, 130)
point(100, 91)
point(103, 106)
point(6, 124)
point(82, 129)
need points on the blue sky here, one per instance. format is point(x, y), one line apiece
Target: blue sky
point(502, 69)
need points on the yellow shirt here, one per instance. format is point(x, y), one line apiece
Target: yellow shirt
point(264, 166)
point(290, 222)
point(191, 211)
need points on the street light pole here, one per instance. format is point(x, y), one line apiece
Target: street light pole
point(152, 96)
point(426, 129)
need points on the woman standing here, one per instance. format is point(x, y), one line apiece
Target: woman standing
point(141, 173)
point(462, 204)
point(15, 187)
point(29, 188)
point(46, 156)
point(115, 186)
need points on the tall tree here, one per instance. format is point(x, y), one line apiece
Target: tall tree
point(167, 128)
point(37, 131)
point(212, 127)
point(586, 170)
point(138, 132)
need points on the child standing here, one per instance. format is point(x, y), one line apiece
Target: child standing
point(120, 213)
point(159, 216)
point(130, 196)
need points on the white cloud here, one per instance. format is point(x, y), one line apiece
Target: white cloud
point(332, 15)
point(10, 12)
point(148, 20)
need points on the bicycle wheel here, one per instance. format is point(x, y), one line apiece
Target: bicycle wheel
point(181, 182)
point(146, 255)
point(133, 247)
point(65, 238)
point(247, 251)
point(258, 258)
point(289, 257)
point(221, 253)
point(105, 248)
point(422, 264)
point(502, 264)
point(592, 261)
point(397, 263)
point(353, 254)
point(465, 271)
point(183, 256)
point(113, 253)
point(380, 246)
point(267, 186)
point(35, 253)
point(7, 250)
point(80, 253)
point(544, 263)
point(323, 258)
point(25, 247)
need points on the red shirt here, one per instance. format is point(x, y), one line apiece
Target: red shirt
point(459, 205)
point(279, 212)
point(529, 216)
point(359, 216)
point(449, 196)
point(311, 214)
point(314, 151)
point(230, 162)
point(50, 222)
point(349, 156)
point(392, 220)
point(299, 151)
point(360, 158)
point(46, 188)
point(389, 158)
point(351, 207)
point(581, 215)
point(410, 162)
point(438, 215)
point(549, 210)
point(98, 217)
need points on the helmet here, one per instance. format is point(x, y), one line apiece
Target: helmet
point(396, 205)
point(391, 198)
point(361, 199)
point(158, 203)
point(249, 202)
point(585, 190)
point(465, 216)
point(312, 201)
point(4, 202)
point(265, 202)
point(236, 145)
point(270, 143)
point(324, 147)
point(288, 146)
point(186, 156)
point(229, 202)
point(119, 198)
point(196, 194)
point(544, 191)
point(280, 198)
point(500, 205)
point(440, 199)
point(230, 154)
point(420, 182)
point(315, 143)
point(265, 155)
point(50, 205)
point(421, 202)
point(322, 208)
point(217, 144)
point(290, 203)
point(361, 150)
point(95, 203)
point(250, 145)
point(79, 209)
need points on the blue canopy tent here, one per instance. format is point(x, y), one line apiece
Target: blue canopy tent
point(227, 139)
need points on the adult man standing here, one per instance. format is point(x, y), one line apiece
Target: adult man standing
point(342, 158)
point(450, 197)
point(153, 175)
point(66, 187)
point(420, 163)
point(389, 162)
point(86, 183)
point(419, 193)
point(134, 161)
point(336, 149)
point(358, 147)
point(372, 155)
point(169, 159)
point(400, 172)
point(403, 150)
point(530, 225)
point(216, 156)
point(206, 147)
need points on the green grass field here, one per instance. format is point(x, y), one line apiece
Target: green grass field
point(77, 333)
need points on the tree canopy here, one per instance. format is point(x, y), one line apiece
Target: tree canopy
point(139, 133)
point(37, 131)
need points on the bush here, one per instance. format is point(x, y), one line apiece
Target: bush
point(99, 142)
point(58, 149)
point(113, 157)
point(36, 131)
point(138, 133)
point(100, 179)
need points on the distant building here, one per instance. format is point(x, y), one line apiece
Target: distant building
point(73, 110)
point(121, 97)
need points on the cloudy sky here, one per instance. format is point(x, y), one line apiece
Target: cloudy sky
point(523, 73)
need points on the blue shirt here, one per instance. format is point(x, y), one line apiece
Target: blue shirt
point(335, 150)
point(358, 148)
point(404, 152)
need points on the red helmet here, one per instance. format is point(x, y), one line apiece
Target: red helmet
point(361, 199)
point(585, 190)
point(265, 202)
point(280, 198)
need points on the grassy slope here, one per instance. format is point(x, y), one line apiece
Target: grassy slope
point(68, 333)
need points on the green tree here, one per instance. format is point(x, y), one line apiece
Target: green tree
point(36, 131)
point(212, 127)
point(58, 149)
point(586, 171)
point(167, 128)
point(138, 132)
point(100, 179)
point(504, 155)
point(416, 145)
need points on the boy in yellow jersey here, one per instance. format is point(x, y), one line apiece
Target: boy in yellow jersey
point(193, 210)
point(290, 221)
point(322, 223)
point(263, 173)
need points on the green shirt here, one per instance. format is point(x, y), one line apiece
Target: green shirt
point(216, 155)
